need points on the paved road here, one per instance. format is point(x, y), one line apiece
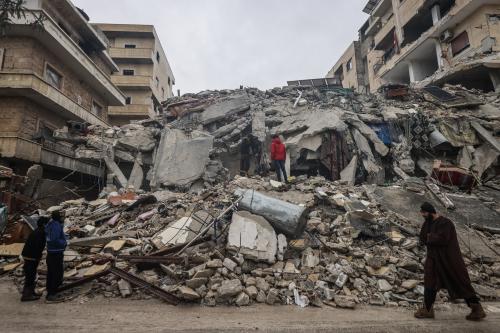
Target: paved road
point(125, 315)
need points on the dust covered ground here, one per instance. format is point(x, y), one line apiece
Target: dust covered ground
point(126, 315)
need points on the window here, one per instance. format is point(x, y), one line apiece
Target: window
point(128, 100)
point(157, 56)
point(460, 43)
point(53, 77)
point(349, 65)
point(96, 109)
point(128, 72)
point(2, 52)
point(130, 46)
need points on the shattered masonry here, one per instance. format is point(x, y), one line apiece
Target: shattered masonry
point(175, 215)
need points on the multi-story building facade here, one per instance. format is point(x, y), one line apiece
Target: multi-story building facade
point(432, 42)
point(57, 72)
point(145, 76)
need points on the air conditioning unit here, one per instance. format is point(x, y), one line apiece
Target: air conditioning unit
point(447, 36)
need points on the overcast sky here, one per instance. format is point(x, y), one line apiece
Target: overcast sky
point(217, 44)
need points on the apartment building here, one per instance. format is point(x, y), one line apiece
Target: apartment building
point(144, 76)
point(424, 42)
point(50, 75)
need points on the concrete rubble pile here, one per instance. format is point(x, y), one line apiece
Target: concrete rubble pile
point(335, 245)
point(343, 232)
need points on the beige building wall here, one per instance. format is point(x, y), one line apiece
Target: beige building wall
point(153, 79)
point(29, 101)
point(347, 75)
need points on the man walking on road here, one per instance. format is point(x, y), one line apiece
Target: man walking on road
point(278, 156)
point(444, 266)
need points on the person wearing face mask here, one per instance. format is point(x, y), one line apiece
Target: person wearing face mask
point(444, 265)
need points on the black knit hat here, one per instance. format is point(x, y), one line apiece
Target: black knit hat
point(427, 207)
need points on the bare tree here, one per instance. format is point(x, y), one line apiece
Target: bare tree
point(10, 9)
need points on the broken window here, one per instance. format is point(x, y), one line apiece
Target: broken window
point(128, 100)
point(53, 77)
point(349, 65)
point(130, 46)
point(128, 72)
point(460, 43)
point(96, 109)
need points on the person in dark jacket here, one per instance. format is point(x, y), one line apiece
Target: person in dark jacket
point(245, 151)
point(56, 244)
point(278, 156)
point(444, 266)
point(32, 253)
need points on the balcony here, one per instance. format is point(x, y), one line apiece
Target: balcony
point(136, 110)
point(70, 53)
point(34, 88)
point(136, 56)
point(132, 81)
point(384, 31)
point(23, 149)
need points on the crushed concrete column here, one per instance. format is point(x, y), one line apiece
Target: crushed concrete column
point(116, 171)
point(137, 175)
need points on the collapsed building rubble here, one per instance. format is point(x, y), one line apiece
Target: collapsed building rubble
point(176, 221)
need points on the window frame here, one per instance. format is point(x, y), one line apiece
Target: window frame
point(348, 65)
point(52, 68)
point(457, 52)
point(132, 71)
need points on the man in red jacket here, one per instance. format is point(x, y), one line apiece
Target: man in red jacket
point(278, 156)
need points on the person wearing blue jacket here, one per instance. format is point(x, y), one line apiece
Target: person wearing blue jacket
point(56, 244)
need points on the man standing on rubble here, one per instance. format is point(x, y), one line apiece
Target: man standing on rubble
point(278, 156)
point(245, 150)
point(32, 253)
point(444, 266)
point(56, 244)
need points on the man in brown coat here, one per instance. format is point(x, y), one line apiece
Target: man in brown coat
point(444, 266)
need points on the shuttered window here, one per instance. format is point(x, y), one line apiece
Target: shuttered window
point(460, 43)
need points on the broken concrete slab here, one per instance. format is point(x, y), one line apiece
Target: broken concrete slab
point(376, 174)
point(348, 175)
point(180, 160)
point(284, 217)
point(221, 110)
point(486, 135)
point(364, 129)
point(252, 236)
point(137, 138)
point(181, 231)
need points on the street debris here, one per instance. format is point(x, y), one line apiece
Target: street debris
point(177, 221)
